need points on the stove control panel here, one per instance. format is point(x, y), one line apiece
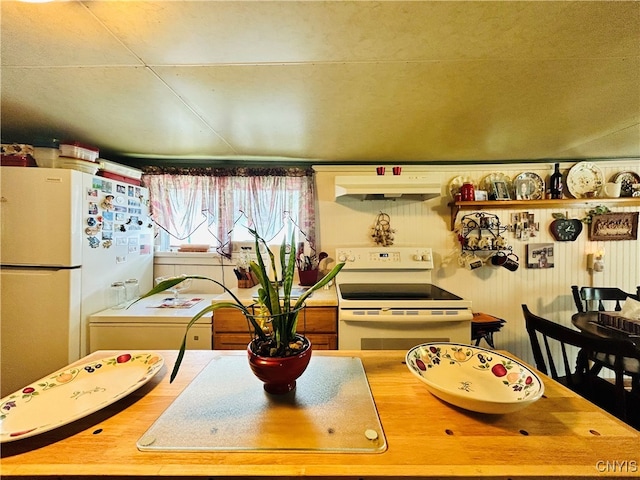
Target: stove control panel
point(365, 258)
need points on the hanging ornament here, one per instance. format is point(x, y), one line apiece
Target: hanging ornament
point(381, 232)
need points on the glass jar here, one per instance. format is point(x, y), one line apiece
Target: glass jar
point(117, 295)
point(467, 192)
point(132, 289)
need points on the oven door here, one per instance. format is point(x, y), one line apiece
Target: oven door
point(401, 329)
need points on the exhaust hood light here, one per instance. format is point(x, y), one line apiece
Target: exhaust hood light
point(374, 187)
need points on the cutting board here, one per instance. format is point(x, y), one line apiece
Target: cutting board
point(225, 408)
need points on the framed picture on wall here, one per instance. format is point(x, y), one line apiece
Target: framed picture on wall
point(540, 255)
point(614, 226)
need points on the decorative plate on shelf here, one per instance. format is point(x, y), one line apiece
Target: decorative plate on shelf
point(529, 186)
point(474, 378)
point(73, 393)
point(627, 179)
point(457, 182)
point(487, 182)
point(584, 180)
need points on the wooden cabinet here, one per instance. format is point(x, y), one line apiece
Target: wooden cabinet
point(232, 332)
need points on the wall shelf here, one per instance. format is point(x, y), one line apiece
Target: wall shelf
point(456, 207)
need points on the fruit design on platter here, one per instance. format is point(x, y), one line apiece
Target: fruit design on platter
point(511, 374)
point(32, 391)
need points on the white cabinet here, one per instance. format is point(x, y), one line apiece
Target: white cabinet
point(147, 336)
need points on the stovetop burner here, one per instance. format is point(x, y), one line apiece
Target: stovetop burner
point(394, 291)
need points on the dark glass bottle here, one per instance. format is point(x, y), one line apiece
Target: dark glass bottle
point(556, 182)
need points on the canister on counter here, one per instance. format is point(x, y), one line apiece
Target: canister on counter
point(117, 296)
point(132, 289)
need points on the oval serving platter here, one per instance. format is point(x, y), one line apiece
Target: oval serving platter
point(474, 378)
point(73, 393)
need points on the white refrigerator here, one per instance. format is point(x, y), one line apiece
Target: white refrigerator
point(65, 237)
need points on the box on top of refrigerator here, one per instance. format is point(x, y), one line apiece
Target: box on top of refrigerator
point(79, 150)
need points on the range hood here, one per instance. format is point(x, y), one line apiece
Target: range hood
point(385, 187)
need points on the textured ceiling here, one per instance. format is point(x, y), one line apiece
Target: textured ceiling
point(325, 81)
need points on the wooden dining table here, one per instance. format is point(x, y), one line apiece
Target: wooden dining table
point(588, 322)
point(560, 435)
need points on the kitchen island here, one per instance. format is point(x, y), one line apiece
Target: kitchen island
point(560, 435)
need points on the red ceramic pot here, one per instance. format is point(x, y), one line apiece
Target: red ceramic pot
point(279, 374)
point(308, 277)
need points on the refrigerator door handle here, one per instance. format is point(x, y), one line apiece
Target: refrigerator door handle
point(38, 267)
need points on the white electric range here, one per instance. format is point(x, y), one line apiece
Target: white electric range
point(386, 300)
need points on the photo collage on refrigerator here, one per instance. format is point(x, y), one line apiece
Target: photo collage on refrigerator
point(116, 215)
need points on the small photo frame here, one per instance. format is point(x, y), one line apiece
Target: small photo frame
point(524, 189)
point(540, 255)
point(500, 190)
point(614, 226)
point(481, 195)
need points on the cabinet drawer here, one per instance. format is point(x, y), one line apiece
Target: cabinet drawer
point(318, 319)
point(238, 341)
point(231, 341)
point(229, 320)
point(310, 320)
point(323, 341)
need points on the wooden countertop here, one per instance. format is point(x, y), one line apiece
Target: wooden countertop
point(320, 298)
point(560, 435)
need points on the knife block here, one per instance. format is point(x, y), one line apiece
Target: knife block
point(246, 283)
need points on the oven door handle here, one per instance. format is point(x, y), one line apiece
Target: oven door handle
point(397, 319)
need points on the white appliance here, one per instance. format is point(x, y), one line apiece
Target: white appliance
point(386, 301)
point(65, 236)
point(380, 187)
point(153, 324)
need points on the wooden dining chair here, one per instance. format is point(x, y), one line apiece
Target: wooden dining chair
point(583, 297)
point(580, 376)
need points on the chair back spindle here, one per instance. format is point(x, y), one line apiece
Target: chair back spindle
point(585, 297)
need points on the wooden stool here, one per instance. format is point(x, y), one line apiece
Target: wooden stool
point(484, 326)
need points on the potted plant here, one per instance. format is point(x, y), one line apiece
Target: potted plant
point(273, 320)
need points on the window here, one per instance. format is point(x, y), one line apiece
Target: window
point(202, 236)
point(217, 208)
